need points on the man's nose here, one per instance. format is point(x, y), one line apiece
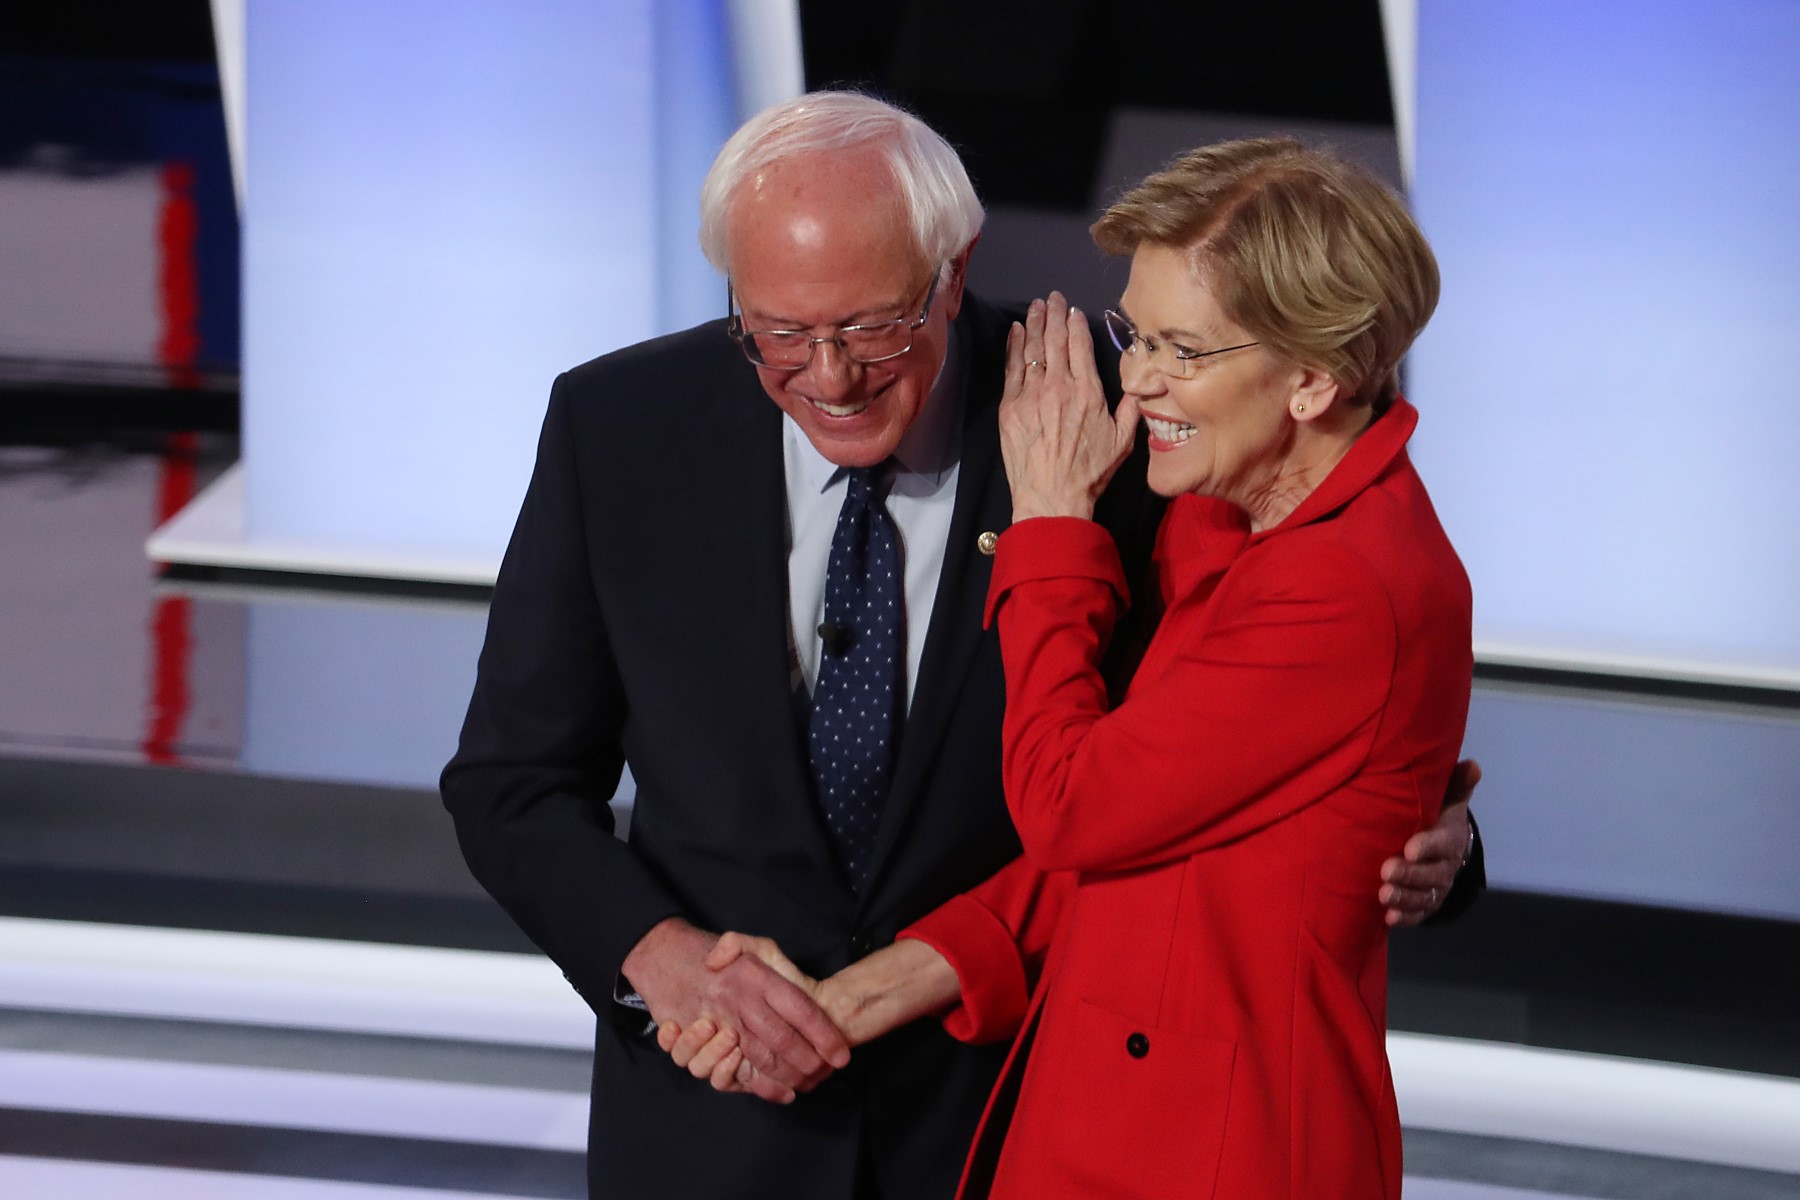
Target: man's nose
point(832, 370)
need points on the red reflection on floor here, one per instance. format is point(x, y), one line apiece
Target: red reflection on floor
point(171, 617)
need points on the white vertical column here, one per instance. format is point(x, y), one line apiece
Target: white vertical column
point(695, 113)
point(1400, 32)
point(765, 38)
point(228, 45)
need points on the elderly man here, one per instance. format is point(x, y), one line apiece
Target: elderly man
point(773, 613)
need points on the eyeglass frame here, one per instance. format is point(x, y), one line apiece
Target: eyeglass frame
point(734, 329)
point(1181, 354)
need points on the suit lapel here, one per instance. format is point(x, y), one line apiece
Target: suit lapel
point(983, 504)
point(748, 547)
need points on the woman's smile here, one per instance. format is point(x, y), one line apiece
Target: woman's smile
point(1167, 433)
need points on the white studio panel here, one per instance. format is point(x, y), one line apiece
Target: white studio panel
point(1609, 405)
point(447, 203)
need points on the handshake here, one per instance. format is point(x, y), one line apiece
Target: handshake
point(735, 1011)
point(712, 1048)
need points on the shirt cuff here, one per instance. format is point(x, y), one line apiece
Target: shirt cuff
point(630, 1009)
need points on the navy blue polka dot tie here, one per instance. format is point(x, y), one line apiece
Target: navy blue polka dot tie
point(856, 706)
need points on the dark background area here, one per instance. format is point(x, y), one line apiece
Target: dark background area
point(161, 29)
point(1026, 88)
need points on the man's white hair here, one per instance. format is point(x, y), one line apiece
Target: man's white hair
point(940, 202)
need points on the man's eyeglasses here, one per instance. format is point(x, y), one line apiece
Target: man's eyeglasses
point(792, 349)
point(1171, 358)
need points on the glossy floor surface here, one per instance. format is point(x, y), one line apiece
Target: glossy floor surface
point(239, 954)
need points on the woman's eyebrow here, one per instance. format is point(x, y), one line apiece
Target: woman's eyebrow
point(1167, 335)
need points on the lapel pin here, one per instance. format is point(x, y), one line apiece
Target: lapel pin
point(987, 541)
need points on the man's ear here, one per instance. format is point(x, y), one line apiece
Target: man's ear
point(1313, 394)
point(950, 292)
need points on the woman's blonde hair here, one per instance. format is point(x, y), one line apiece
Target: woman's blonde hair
point(1314, 256)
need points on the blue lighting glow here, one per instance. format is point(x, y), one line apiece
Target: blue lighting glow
point(1609, 398)
point(447, 203)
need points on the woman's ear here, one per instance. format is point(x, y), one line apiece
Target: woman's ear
point(1313, 395)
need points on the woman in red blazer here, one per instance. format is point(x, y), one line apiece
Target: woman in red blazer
point(1187, 954)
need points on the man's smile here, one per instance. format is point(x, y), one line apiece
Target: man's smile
point(849, 409)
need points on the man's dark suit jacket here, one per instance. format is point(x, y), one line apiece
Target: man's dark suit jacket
point(641, 615)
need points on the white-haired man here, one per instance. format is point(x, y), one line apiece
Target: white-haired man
point(704, 584)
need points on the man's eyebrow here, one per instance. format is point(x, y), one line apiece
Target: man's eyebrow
point(877, 311)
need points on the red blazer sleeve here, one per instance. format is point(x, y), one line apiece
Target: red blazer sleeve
point(1271, 701)
point(995, 937)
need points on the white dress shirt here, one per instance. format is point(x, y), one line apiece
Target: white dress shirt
point(921, 501)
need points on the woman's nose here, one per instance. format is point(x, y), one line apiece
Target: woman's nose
point(1138, 376)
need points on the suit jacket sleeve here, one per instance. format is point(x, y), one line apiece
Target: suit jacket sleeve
point(1268, 710)
point(540, 753)
point(1471, 881)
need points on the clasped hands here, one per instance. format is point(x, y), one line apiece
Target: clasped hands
point(773, 1059)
